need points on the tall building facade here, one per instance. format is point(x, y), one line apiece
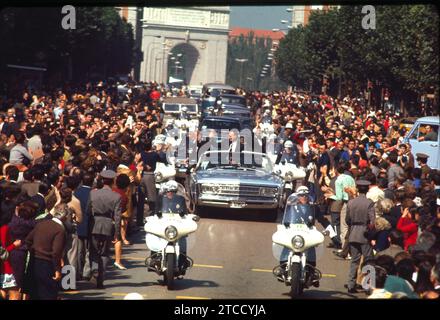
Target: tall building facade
point(301, 14)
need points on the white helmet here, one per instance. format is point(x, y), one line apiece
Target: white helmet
point(302, 190)
point(170, 186)
point(267, 112)
point(288, 144)
point(170, 122)
point(289, 125)
point(184, 109)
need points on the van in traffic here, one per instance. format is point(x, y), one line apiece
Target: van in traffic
point(424, 138)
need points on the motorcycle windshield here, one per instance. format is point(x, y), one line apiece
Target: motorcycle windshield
point(297, 213)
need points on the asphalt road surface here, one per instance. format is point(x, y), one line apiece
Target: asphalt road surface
point(232, 253)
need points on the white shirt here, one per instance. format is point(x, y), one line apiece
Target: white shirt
point(233, 146)
point(375, 194)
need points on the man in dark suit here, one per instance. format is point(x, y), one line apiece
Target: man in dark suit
point(82, 193)
point(360, 216)
point(104, 209)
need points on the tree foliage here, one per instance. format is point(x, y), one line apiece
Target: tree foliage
point(102, 42)
point(400, 54)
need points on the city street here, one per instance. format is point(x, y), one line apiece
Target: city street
point(232, 252)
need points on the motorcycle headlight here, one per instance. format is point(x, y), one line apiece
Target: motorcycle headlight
point(268, 192)
point(298, 242)
point(171, 233)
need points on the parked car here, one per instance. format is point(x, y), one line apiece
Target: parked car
point(246, 180)
point(429, 146)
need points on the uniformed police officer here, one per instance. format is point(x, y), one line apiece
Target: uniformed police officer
point(360, 216)
point(302, 209)
point(422, 159)
point(171, 202)
point(289, 155)
point(104, 208)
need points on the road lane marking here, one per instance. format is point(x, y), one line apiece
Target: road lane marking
point(207, 266)
point(70, 292)
point(324, 275)
point(328, 275)
point(194, 265)
point(261, 270)
point(191, 298)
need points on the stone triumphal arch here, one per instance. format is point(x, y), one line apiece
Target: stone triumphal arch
point(188, 43)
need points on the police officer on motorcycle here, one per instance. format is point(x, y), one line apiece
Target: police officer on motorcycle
point(289, 155)
point(303, 212)
point(171, 202)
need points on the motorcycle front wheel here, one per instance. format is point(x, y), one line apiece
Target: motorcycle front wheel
point(169, 273)
point(295, 282)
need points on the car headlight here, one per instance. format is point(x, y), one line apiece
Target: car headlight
point(268, 192)
point(298, 242)
point(171, 233)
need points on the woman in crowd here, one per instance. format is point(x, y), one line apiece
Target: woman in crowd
point(21, 225)
point(408, 223)
point(8, 284)
point(122, 184)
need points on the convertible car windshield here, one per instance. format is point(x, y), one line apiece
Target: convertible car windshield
point(235, 161)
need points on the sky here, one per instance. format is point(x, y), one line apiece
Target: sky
point(258, 17)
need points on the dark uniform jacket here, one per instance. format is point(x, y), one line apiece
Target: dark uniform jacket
point(360, 213)
point(105, 208)
point(175, 205)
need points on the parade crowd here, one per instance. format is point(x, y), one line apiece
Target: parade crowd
point(76, 178)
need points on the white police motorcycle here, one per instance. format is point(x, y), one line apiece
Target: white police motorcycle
point(294, 242)
point(166, 240)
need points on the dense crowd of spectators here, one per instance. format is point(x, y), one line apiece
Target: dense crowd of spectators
point(54, 146)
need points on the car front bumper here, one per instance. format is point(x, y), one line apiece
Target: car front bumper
point(237, 202)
